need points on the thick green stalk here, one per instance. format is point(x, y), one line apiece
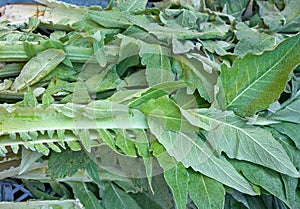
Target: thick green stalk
point(18, 119)
point(11, 70)
point(16, 53)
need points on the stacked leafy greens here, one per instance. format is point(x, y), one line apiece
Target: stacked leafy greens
point(189, 104)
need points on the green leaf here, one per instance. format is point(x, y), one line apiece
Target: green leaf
point(108, 79)
point(166, 33)
point(291, 191)
point(286, 20)
point(125, 143)
point(189, 149)
point(115, 198)
point(156, 58)
point(197, 77)
point(154, 92)
point(85, 139)
point(231, 134)
point(129, 48)
point(74, 145)
point(186, 18)
point(80, 93)
point(61, 117)
point(292, 17)
point(47, 100)
point(66, 163)
point(292, 130)
point(143, 149)
point(218, 47)
point(60, 189)
point(29, 99)
point(206, 192)
point(54, 147)
point(28, 158)
point(108, 138)
point(289, 113)
point(86, 197)
point(231, 203)
point(263, 177)
point(175, 175)
point(252, 84)
point(271, 15)
point(118, 165)
point(168, 114)
point(109, 19)
point(161, 198)
point(38, 67)
point(184, 100)
point(236, 9)
point(252, 41)
point(132, 6)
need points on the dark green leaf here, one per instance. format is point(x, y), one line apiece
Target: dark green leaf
point(86, 197)
point(252, 83)
point(115, 198)
point(66, 163)
point(206, 192)
point(175, 175)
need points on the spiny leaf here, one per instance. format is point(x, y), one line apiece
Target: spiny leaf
point(54, 147)
point(3, 151)
point(256, 81)
point(25, 136)
point(15, 148)
point(74, 146)
point(12, 136)
point(42, 149)
point(50, 133)
point(29, 146)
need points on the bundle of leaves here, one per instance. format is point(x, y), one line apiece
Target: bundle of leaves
point(189, 104)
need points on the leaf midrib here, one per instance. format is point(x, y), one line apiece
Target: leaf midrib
point(246, 133)
point(263, 75)
point(214, 162)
